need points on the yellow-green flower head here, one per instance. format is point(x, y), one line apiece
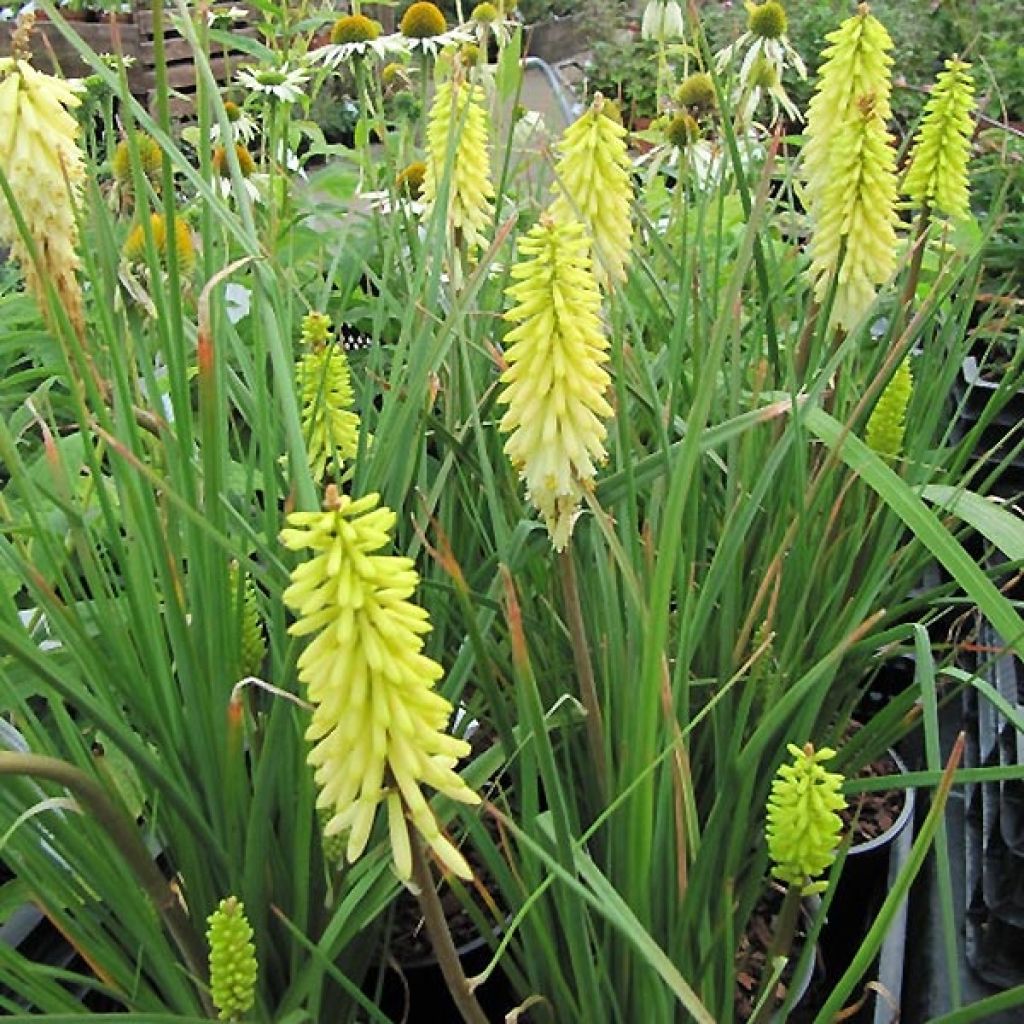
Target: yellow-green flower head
point(767, 20)
point(470, 55)
point(803, 826)
point(232, 111)
point(594, 185)
point(409, 181)
point(232, 960)
point(329, 425)
point(485, 14)
point(855, 218)
point(150, 159)
point(697, 92)
point(378, 728)
point(395, 76)
point(253, 647)
point(316, 327)
point(44, 166)
point(134, 250)
point(938, 163)
point(887, 423)
point(355, 28)
point(457, 138)
point(555, 382)
point(855, 64)
point(334, 845)
point(422, 21)
point(682, 130)
point(246, 164)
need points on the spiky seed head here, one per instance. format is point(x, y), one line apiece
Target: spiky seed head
point(150, 159)
point(246, 164)
point(409, 181)
point(355, 28)
point(422, 20)
point(682, 130)
point(134, 250)
point(803, 824)
point(767, 20)
point(696, 92)
point(485, 14)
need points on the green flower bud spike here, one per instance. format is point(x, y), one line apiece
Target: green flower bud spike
point(803, 826)
point(887, 423)
point(937, 177)
point(254, 644)
point(329, 425)
point(232, 960)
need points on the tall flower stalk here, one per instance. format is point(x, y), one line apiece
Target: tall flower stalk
point(378, 726)
point(555, 383)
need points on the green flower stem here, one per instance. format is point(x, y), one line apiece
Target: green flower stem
point(441, 937)
point(914, 273)
point(584, 669)
point(782, 943)
point(125, 837)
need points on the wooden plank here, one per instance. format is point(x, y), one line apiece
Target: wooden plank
point(180, 49)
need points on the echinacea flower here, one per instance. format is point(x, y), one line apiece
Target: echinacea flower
point(762, 81)
point(281, 83)
point(378, 727)
point(330, 427)
point(489, 21)
point(887, 422)
point(232, 963)
point(457, 150)
point(409, 181)
point(803, 823)
point(682, 131)
point(662, 20)
point(355, 36)
point(423, 28)
point(150, 159)
point(555, 383)
point(134, 250)
point(594, 185)
point(45, 169)
point(241, 126)
point(937, 177)
point(764, 39)
point(696, 93)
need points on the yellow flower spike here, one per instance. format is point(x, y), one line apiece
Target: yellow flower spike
point(887, 422)
point(457, 136)
point(329, 425)
point(803, 826)
point(855, 64)
point(555, 382)
point(45, 169)
point(378, 724)
point(938, 163)
point(594, 185)
point(855, 216)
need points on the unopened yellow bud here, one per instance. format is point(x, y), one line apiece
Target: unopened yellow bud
point(887, 423)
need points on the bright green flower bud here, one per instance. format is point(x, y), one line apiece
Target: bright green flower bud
point(253, 643)
point(938, 163)
point(855, 216)
point(378, 728)
point(232, 960)
point(329, 426)
point(555, 382)
point(316, 327)
point(803, 826)
point(887, 423)
point(855, 65)
point(457, 138)
point(594, 185)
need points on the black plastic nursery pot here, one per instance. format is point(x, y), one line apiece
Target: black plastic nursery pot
point(871, 868)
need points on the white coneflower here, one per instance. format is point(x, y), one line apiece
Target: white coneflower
point(282, 83)
point(765, 38)
point(45, 169)
point(423, 29)
point(354, 36)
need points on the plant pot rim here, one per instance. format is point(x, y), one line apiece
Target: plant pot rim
point(903, 819)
